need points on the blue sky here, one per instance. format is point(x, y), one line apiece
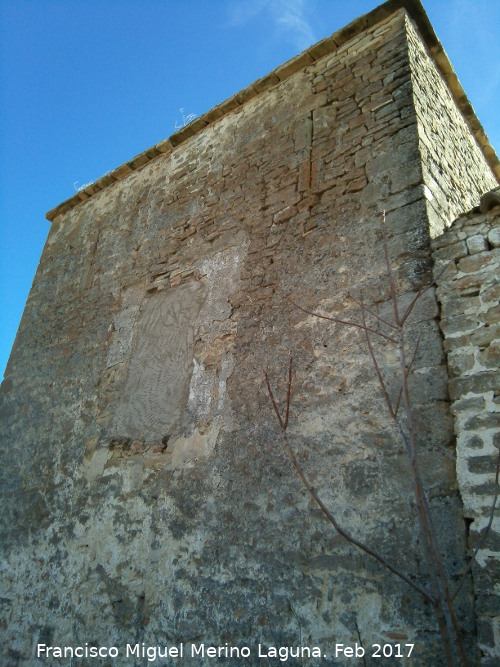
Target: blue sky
point(87, 84)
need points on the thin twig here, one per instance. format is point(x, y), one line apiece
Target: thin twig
point(444, 604)
point(408, 370)
point(402, 320)
point(440, 598)
point(360, 640)
point(368, 310)
point(323, 507)
point(339, 321)
point(424, 519)
point(421, 291)
point(378, 372)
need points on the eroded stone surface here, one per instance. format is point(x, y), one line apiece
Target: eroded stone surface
point(147, 496)
point(469, 292)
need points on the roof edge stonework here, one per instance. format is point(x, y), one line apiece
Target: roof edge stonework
point(315, 52)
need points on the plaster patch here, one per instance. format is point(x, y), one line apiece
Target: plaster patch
point(157, 387)
point(132, 474)
point(200, 444)
point(221, 271)
point(123, 327)
point(200, 389)
point(213, 362)
point(95, 467)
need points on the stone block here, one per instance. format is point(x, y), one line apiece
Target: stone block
point(489, 660)
point(284, 215)
point(413, 176)
point(302, 135)
point(455, 304)
point(356, 185)
point(293, 65)
point(460, 362)
point(324, 120)
point(475, 262)
point(486, 637)
point(491, 293)
point(491, 316)
point(485, 335)
point(490, 357)
point(454, 251)
point(486, 420)
point(477, 384)
point(474, 442)
point(433, 425)
point(482, 464)
point(474, 404)
point(426, 387)
point(494, 237)
point(476, 244)
point(322, 48)
point(459, 324)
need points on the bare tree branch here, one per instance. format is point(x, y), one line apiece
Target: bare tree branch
point(320, 503)
point(421, 291)
point(380, 319)
point(359, 639)
point(440, 597)
point(339, 321)
point(378, 372)
point(414, 356)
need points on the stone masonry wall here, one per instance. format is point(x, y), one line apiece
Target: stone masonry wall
point(469, 293)
point(454, 167)
point(145, 493)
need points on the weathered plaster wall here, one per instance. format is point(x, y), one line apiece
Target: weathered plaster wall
point(469, 293)
point(146, 494)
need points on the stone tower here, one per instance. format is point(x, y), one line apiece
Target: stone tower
point(148, 500)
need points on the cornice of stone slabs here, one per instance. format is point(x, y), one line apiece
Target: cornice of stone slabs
point(310, 55)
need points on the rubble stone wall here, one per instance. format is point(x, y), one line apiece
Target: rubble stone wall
point(146, 494)
point(455, 171)
point(469, 294)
